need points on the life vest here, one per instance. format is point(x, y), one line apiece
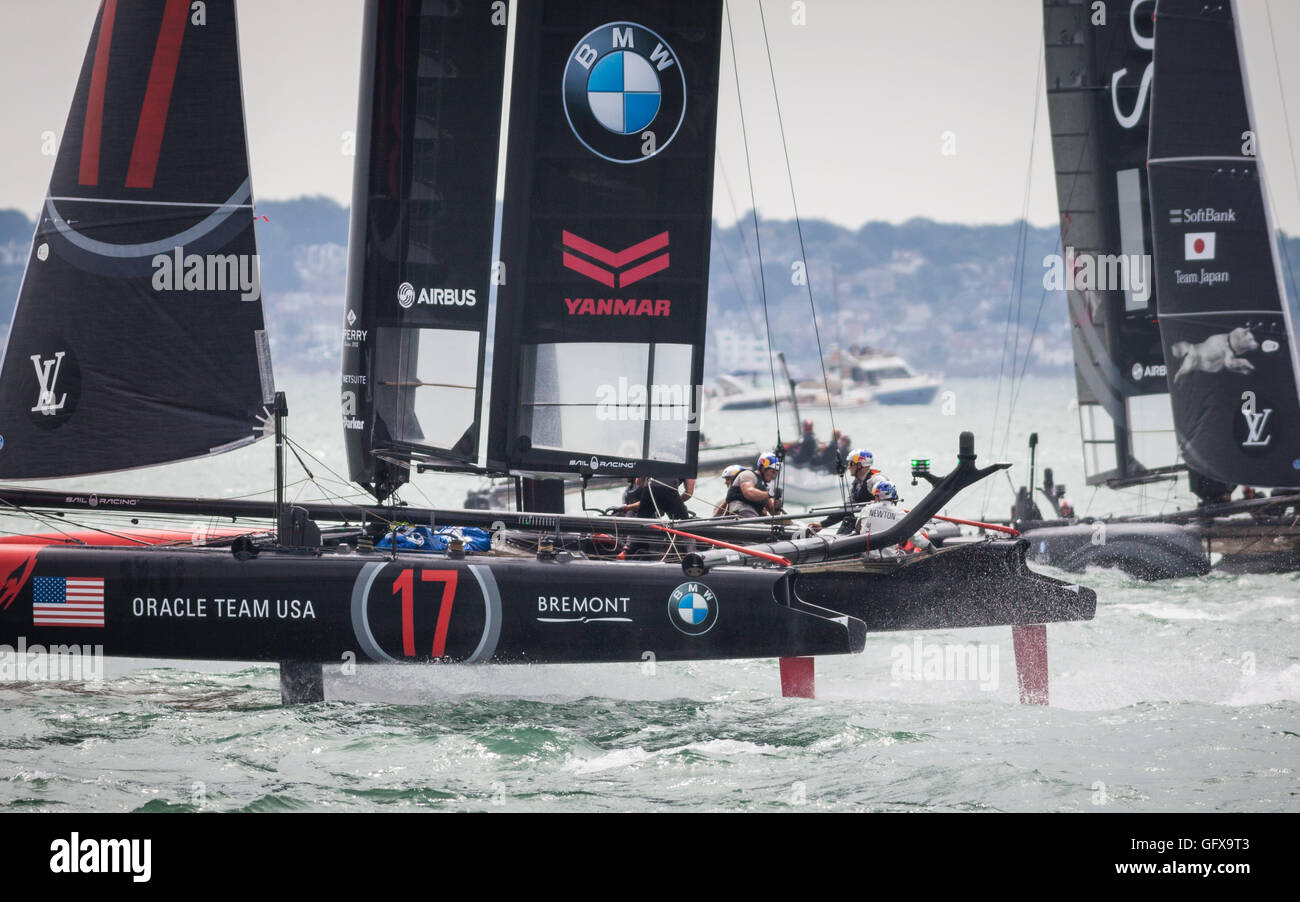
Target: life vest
point(736, 496)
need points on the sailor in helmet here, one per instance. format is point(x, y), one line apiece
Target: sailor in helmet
point(729, 475)
point(882, 513)
point(859, 467)
point(750, 493)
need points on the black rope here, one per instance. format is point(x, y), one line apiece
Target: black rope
point(798, 224)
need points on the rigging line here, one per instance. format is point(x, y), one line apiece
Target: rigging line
point(740, 226)
point(1286, 115)
point(1018, 286)
point(726, 260)
point(758, 238)
point(798, 224)
point(39, 517)
point(1040, 66)
point(1018, 381)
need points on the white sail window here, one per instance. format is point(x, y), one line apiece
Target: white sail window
point(1132, 232)
point(430, 399)
point(1151, 431)
point(620, 400)
point(1098, 432)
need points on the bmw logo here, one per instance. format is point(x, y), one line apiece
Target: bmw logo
point(405, 295)
point(624, 92)
point(693, 608)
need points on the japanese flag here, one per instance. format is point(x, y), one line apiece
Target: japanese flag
point(1199, 245)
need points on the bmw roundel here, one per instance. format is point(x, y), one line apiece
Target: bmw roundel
point(624, 92)
point(693, 608)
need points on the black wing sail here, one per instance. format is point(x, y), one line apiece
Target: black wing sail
point(1228, 333)
point(420, 264)
point(605, 238)
point(1099, 71)
point(138, 336)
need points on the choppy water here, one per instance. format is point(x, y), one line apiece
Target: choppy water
point(1181, 696)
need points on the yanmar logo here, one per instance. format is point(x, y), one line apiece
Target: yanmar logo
point(618, 274)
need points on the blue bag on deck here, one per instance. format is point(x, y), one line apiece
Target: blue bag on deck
point(422, 538)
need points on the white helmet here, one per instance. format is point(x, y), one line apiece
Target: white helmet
point(732, 471)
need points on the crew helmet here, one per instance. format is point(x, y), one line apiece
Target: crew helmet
point(884, 491)
point(860, 456)
point(732, 471)
point(768, 462)
point(807, 425)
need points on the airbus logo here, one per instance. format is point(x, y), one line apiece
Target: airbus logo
point(407, 297)
point(624, 92)
point(1140, 372)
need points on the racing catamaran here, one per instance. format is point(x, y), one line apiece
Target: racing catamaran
point(111, 365)
point(1190, 364)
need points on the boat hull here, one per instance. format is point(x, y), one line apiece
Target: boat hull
point(976, 584)
point(207, 604)
point(917, 394)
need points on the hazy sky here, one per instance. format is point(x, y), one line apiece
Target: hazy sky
point(867, 88)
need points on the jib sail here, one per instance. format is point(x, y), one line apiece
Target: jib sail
point(1099, 71)
point(138, 336)
point(420, 261)
point(605, 241)
point(1227, 329)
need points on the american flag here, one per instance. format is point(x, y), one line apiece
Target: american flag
point(68, 601)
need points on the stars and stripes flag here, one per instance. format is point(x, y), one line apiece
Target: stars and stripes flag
point(68, 601)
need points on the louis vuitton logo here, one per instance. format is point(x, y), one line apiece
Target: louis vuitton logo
point(47, 373)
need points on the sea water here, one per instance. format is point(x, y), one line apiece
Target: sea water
point(1182, 695)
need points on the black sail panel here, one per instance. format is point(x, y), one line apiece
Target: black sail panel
point(1228, 334)
point(420, 260)
point(138, 337)
point(605, 240)
point(1099, 72)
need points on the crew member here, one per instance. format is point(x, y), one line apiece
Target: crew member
point(806, 448)
point(826, 457)
point(657, 499)
point(859, 465)
point(749, 495)
point(729, 475)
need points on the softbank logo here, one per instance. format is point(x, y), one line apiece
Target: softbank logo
point(617, 271)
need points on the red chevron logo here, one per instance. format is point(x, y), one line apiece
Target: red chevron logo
point(616, 272)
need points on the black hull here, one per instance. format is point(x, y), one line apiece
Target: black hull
point(965, 585)
point(206, 604)
point(348, 606)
